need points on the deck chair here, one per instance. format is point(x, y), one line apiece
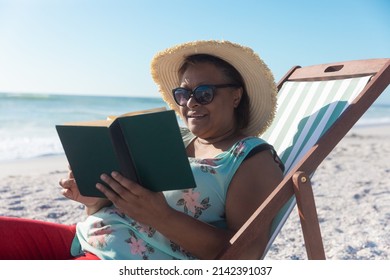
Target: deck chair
point(317, 106)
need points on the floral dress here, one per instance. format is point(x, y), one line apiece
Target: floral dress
point(109, 234)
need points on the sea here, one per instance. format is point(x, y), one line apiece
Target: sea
point(27, 121)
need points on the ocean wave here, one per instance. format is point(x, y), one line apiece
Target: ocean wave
point(23, 147)
point(27, 121)
point(373, 121)
point(27, 96)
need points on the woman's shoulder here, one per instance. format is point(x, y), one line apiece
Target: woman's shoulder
point(252, 145)
point(186, 135)
point(244, 145)
point(250, 142)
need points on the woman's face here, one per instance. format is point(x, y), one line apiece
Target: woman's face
point(216, 118)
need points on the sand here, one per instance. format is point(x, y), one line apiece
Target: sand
point(30, 189)
point(351, 188)
point(352, 195)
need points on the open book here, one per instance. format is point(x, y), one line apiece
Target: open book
point(144, 146)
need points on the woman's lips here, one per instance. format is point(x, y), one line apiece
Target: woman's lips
point(195, 116)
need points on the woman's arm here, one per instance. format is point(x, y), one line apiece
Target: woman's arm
point(71, 191)
point(253, 182)
point(248, 189)
point(200, 239)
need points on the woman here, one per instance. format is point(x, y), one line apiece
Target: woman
point(226, 96)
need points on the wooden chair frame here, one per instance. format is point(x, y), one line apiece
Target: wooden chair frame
point(297, 181)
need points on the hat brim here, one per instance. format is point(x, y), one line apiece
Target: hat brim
point(259, 81)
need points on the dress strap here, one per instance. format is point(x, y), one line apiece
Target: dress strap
point(186, 135)
point(266, 147)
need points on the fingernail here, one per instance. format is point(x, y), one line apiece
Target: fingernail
point(103, 176)
point(114, 173)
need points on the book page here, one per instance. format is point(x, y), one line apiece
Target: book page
point(146, 111)
point(101, 123)
point(110, 119)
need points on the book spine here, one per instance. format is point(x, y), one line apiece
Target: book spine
point(123, 155)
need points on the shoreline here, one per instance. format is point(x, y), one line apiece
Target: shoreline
point(351, 189)
point(31, 166)
point(59, 162)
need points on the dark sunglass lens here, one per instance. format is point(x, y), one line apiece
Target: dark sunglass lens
point(181, 96)
point(204, 94)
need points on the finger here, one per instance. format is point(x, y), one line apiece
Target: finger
point(116, 186)
point(131, 186)
point(70, 173)
point(67, 193)
point(67, 183)
point(62, 182)
point(111, 195)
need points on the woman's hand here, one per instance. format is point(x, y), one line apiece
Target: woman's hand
point(135, 201)
point(70, 190)
point(150, 208)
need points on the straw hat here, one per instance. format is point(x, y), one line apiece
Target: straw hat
point(259, 81)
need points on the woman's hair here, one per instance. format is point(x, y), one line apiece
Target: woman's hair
point(242, 110)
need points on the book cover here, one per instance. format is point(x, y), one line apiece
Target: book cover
point(145, 147)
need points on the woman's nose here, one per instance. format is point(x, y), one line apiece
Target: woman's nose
point(191, 102)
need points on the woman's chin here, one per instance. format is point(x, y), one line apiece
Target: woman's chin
point(196, 128)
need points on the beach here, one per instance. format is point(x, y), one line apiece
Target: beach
point(351, 188)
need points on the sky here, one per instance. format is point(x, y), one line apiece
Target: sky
point(104, 47)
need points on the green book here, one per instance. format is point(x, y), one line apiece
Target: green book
point(145, 147)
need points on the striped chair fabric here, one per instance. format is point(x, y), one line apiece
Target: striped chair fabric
point(305, 111)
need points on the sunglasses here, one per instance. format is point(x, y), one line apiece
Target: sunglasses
point(203, 94)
